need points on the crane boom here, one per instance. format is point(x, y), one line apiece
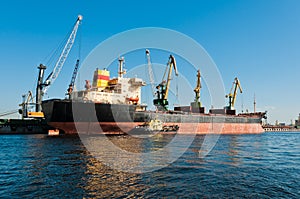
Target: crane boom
point(172, 62)
point(237, 85)
point(71, 85)
point(74, 73)
point(151, 76)
point(63, 56)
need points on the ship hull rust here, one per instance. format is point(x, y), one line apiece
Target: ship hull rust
point(110, 128)
point(96, 118)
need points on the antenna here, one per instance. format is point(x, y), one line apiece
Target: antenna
point(242, 104)
point(254, 104)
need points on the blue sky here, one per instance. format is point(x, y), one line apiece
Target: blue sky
point(257, 41)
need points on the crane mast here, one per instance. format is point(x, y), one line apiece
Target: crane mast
point(39, 88)
point(198, 87)
point(162, 96)
point(232, 96)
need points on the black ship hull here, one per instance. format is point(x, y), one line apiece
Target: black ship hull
point(87, 117)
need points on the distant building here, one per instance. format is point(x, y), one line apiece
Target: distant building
point(297, 122)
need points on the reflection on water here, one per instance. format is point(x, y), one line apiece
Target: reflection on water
point(136, 155)
point(105, 182)
point(256, 166)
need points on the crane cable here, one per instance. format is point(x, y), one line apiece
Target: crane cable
point(49, 60)
point(9, 112)
point(55, 52)
point(147, 72)
point(163, 78)
point(177, 93)
point(242, 103)
point(150, 73)
point(79, 38)
point(78, 42)
point(63, 56)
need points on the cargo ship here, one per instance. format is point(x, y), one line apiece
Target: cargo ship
point(113, 106)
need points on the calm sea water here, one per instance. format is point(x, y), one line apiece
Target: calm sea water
point(251, 166)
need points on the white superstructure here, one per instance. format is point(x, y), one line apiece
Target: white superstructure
point(119, 91)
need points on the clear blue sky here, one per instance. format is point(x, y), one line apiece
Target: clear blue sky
point(257, 41)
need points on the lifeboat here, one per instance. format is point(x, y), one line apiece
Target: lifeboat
point(134, 100)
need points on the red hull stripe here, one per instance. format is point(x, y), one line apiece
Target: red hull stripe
point(103, 77)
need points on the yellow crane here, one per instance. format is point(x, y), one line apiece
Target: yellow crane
point(163, 88)
point(197, 89)
point(232, 96)
point(196, 104)
point(26, 109)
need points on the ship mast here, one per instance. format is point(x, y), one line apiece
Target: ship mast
point(121, 71)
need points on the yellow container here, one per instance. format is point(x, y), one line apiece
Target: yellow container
point(103, 72)
point(101, 83)
point(100, 78)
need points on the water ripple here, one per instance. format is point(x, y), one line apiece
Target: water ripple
point(239, 166)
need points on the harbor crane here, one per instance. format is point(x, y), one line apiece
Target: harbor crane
point(151, 76)
point(43, 86)
point(163, 88)
point(196, 104)
point(26, 110)
point(232, 96)
point(71, 85)
point(197, 90)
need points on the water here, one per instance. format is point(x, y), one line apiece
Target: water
point(251, 166)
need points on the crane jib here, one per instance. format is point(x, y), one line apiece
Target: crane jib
point(63, 56)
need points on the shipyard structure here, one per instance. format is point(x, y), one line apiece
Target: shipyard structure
point(113, 106)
